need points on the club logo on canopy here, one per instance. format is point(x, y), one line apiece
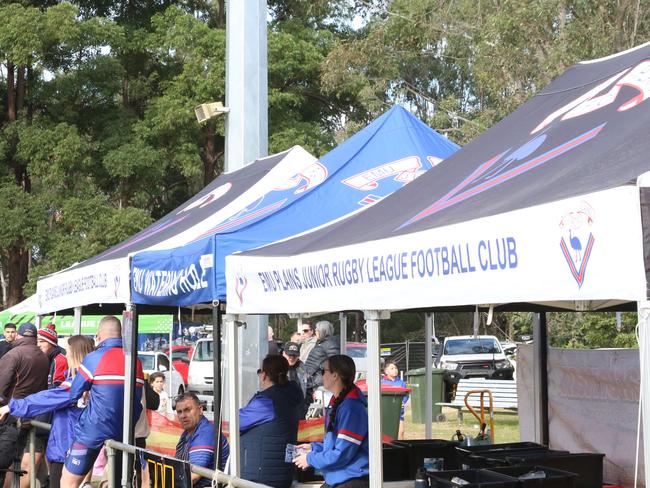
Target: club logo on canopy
point(240, 286)
point(577, 240)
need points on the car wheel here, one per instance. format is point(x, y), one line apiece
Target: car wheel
point(441, 417)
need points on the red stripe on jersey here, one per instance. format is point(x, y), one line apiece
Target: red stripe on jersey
point(351, 434)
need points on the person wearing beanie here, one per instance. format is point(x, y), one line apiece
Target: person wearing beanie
point(23, 371)
point(48, 342)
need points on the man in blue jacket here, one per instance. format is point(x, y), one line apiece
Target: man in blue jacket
point(196, 444)
point(101, 373)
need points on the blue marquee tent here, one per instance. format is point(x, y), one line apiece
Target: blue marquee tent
point(389, 153)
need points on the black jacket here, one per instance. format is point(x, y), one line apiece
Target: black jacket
point(5, 347)
point(330, 346)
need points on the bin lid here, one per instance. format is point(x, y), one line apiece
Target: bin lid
point(422, 371)
point(384, 387)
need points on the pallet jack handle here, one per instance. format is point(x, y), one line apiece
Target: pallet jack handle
point(481, 417)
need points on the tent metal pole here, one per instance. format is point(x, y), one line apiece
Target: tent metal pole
point(540, 364)
point(130, 347)
point(232, 326)
point(643, 309)
point(374, 396)
point(216, 372)
point(76, 321)
point(343, 320)
point(428, 362)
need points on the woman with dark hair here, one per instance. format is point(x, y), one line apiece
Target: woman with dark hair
point(343, 455)
point(391, 377)
point(268, 423)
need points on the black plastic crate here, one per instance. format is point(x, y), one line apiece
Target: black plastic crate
point(477, 478)
point(418, 449)
point(395, 462)
point(507, 446)
point(489, 459)
point(588, 466)
point(555, 478)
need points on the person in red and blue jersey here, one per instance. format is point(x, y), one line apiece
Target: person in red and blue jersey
point(57, 400)
point(391, 378)
point(342, 457)
point(102, 374)
point(196, 444)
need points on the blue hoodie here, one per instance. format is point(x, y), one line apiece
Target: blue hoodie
point(343, 454)
point(66, 415)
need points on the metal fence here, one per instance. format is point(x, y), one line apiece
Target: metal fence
point(112, 447)
point(408, 355)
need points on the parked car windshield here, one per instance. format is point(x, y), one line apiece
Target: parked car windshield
point(472, 346)
point(148, 361)
point(203, 351)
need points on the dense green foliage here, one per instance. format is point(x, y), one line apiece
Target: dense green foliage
point(98, 136)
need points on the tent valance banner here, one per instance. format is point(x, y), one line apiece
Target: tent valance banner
point(472, 262)
point(105, 278)
point(549, 195)
point(388, 154)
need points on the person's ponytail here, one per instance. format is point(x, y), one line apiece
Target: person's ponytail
point(344, 367)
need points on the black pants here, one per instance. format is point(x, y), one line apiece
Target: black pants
point(56, 470)
point(361, 482)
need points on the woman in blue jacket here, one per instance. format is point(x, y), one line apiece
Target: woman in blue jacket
point(56, 400)
point(342, 457)
point(268, 423)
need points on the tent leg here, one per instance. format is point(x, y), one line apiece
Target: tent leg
point(76, 323)
point(343, 320)
point(232, 326)
point(216, 374)
point(130, 346)
point(644, 360)
point(428, 360)
point(540, 367)
point(374, 396)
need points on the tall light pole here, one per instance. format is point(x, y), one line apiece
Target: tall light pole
point(246, 141)
point(246, 82)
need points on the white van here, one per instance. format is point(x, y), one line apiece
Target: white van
point(200, 376)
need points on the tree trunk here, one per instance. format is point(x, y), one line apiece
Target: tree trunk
point(11, 93)
point(17, 270)
point(211, 152)
point(20, 88)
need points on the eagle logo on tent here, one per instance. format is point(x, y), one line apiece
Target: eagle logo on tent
point(577, 240)
point(240, 285)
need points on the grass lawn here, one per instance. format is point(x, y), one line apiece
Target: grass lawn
point(506, 426)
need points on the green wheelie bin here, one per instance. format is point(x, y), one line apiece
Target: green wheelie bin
point(391, 407)
point(416, 382)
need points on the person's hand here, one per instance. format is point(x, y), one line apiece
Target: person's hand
point(301, 461)
point(4, 413)
point(304, 447)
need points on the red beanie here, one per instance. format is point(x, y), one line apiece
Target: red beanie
point(48, 333)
